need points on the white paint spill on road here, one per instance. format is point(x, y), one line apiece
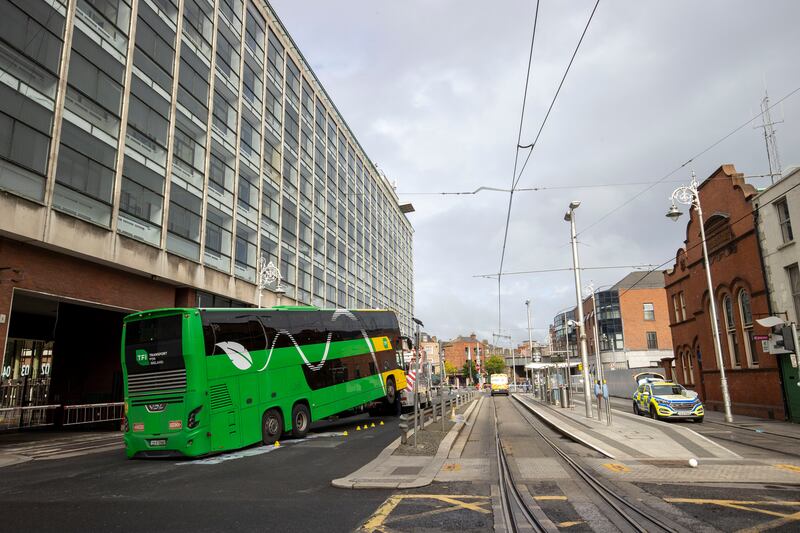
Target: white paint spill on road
point(261, 450)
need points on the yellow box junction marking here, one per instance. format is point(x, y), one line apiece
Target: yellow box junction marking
point(748, 505)
point(616, 467)
point(456, 501)
point(790, 468)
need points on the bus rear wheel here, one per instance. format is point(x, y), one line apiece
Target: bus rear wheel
point(301, 419)
point(391, 402)
point(271, 426)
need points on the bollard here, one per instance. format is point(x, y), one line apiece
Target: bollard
point(403, 425)
point(563, 396)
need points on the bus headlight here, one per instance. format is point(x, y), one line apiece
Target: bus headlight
point(192, 422)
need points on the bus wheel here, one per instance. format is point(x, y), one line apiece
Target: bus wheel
point(301, 419)
point(391, 402)
point(271, 426)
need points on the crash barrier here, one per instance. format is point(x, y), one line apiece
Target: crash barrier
point(27, 417)
point(441, 406)
point(90, 413)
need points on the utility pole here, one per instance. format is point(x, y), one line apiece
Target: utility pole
point(770, 139)
point(587, 395)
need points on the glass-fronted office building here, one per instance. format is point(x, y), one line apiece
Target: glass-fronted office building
point(153, 150)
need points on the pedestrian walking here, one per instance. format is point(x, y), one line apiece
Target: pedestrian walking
point(598, 392)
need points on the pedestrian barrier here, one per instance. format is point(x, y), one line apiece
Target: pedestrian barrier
point(90, 413)
point(27, 417)
point(452, 400)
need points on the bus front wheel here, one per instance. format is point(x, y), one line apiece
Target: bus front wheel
point(271, 426)
point(301, 419)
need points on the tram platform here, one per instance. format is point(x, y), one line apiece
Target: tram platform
point(628, 436)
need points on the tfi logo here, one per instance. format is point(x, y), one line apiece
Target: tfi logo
point(142, 358)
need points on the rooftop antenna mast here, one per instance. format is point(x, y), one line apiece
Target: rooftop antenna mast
point(770, 139)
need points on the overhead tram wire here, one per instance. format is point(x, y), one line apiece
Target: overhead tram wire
point(688, 161)
point(516, 177)
point(672, 258)
point(516, 154)
point(565, 269)
point(554, 187)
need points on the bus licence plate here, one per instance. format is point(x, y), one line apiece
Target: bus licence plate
point(158, 442)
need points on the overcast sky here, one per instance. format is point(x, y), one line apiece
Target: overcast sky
point(433, 91)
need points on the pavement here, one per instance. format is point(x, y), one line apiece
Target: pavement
point(391, 470)
point(639, 449)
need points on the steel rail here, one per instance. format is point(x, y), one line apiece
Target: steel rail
point(509, 493)
point(611, 497)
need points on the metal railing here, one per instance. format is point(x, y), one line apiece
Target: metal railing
point(439, 407)
point(27, 417)
point(90, 413)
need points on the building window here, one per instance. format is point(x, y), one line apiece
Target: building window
point(794, 283)
point(730, 324)
point(676, 307)
point(689, 358)
point(652, 340)
point(649, 311)
point(783, 220)
point(747, 328)
point(683, 305)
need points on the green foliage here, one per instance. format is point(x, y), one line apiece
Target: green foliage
point(470, 370)
point(450, 369)
point(495, 365)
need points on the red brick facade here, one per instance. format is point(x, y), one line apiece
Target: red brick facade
point(753, 377)
point(455, 351)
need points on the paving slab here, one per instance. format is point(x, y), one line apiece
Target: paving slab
point(395, 471)
point(628, 437)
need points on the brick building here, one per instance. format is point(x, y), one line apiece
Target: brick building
point(633, 322)
point(740, 295)
point(457, 351)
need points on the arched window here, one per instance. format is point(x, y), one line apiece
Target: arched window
point(730, 326)
point(682, 357)
point(690, 358)
point(745, 313)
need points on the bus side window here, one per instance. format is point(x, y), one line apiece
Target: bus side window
point(246, 331)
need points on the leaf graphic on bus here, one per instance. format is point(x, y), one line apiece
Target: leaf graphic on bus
point(238, 354)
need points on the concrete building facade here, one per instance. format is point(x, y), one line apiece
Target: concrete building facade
point(740, 294)
point(151, 152)
point(777, 211)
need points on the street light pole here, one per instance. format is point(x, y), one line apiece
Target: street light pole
point(587, 396)
point(689, 195)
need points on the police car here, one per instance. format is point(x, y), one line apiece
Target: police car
point(666, 400)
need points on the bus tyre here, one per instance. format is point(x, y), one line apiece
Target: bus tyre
point(392, 405)
point(301, 419)
point(271, 426)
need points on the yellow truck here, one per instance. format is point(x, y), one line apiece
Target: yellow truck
point(499, 384)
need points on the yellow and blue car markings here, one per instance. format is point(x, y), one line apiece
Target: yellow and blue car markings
point(650, 399)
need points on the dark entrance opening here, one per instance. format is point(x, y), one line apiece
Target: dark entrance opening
point(60, 352)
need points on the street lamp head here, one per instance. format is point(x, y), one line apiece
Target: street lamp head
point(574, 204)
point(568, 216)
point(674, 213)
point(527, 302)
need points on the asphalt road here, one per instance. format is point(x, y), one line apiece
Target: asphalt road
point(283, 489)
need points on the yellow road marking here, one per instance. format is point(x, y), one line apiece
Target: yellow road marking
point(451, 467)
point(791, 468)
point(747, 505)
point(382, 513)
point(616, 467)
point(547, 498)
point(570, 524)
point(377, 521)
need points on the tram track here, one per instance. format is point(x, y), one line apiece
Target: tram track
point(625, 514)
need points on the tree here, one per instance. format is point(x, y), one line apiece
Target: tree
point(450, 369)
point(495, 365)
point(469, 370)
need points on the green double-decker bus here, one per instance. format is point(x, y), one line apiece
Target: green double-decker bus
point(200, 381)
